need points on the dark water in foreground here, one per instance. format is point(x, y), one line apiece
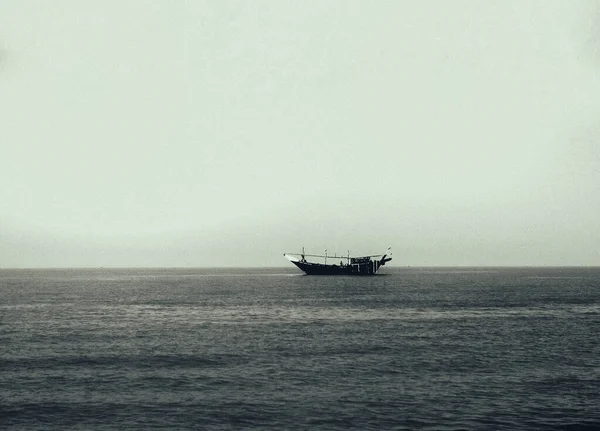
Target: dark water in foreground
point(239, 348)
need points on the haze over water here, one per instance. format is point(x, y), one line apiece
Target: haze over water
point(223, 133)
point(420, 348)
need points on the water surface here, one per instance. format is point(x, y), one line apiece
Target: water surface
point(411, 348)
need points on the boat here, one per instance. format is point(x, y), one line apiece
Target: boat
point(361, 265)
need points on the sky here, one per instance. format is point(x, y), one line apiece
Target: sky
point(225, 133)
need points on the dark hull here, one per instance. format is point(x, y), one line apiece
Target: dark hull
point(369, 268)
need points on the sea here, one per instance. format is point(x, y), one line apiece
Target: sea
point(272, 349)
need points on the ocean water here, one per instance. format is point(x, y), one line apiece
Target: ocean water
point(411, 348)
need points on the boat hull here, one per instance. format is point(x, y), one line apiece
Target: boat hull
point(369, 268)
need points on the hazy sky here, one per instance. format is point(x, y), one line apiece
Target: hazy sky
point(161, 133)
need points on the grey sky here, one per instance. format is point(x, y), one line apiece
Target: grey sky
point(158, 133)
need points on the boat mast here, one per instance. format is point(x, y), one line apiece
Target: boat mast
point(325, 256)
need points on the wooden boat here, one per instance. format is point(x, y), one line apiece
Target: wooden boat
point(360, 265)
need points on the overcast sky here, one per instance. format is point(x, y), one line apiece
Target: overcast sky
point(161, 133)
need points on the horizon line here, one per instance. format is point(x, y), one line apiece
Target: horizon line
point(289, 267)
